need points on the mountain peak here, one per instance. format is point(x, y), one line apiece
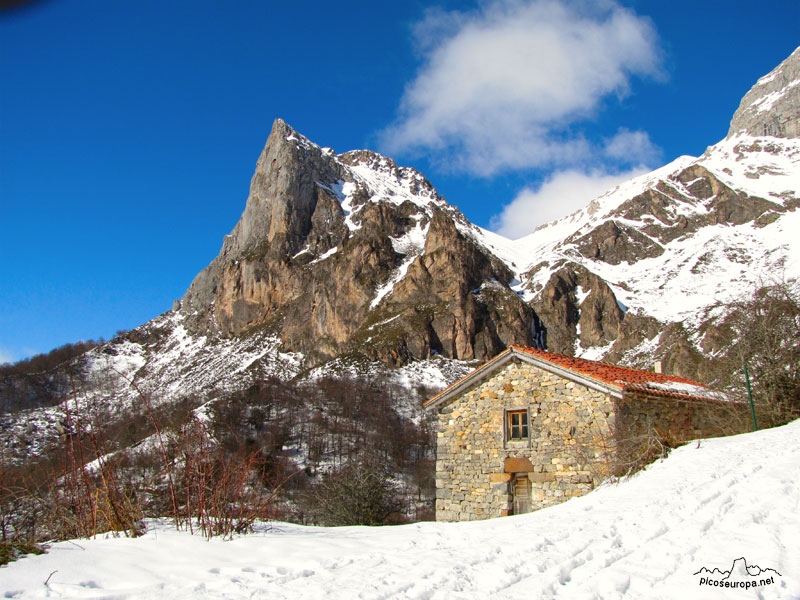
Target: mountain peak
point(772, 106)
point(330, 247)
point(283, 133)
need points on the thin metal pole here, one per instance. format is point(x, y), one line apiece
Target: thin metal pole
point(750, 394)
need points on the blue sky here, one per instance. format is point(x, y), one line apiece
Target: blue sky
point(129, 130)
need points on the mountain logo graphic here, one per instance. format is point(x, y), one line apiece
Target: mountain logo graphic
point(740, 575)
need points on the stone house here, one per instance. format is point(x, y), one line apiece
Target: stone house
point(529, 429)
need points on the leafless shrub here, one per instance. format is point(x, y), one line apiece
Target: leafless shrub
point(14, 503)
point(633, 452)
point(90, 496)
point(358, 493)
point(222, 492)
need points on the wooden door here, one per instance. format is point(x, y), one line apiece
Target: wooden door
point(522, 495)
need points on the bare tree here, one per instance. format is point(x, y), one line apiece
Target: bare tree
point(765, 329)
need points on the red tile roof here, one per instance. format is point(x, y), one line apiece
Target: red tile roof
point(623, 378)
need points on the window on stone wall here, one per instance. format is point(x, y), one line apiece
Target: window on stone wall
point(517, 425)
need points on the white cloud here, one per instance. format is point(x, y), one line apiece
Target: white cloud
point(631, 146)
point(500, 87)
point(560, 194)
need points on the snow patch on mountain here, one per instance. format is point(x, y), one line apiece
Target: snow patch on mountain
point(766, 167)
point(325, 255)
point(390, 183)
point(593, 352)
point(396, 275)
point(344, 190)
point(411, 244)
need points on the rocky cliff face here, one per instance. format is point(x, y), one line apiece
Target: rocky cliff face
point(352, 254)
point(772, 106)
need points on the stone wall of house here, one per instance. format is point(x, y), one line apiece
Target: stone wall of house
point(571, 427)
point(648, 425)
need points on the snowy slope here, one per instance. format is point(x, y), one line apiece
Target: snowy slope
point(705, 506)
point(673, 286)
point(164, 363)
point(695, 273)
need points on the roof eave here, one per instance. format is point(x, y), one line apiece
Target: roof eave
point(635, 391)
point(468, 380)
point(511, 352)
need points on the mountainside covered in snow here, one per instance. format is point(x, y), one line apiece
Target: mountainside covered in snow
point(645, 271)
point(351, 255)
point(347, 263)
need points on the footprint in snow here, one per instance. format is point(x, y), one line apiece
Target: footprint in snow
point(659, 532)
point(565, 572)
point(89, 584)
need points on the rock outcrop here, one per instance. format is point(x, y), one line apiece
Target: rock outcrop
point(353, 254)
point(772, 106)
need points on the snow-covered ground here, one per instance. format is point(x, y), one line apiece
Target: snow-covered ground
point(704, 507)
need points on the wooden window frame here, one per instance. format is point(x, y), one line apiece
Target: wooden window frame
point(508, 427)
